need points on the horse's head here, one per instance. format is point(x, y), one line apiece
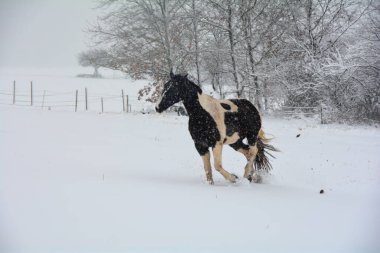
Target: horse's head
point(173, 92)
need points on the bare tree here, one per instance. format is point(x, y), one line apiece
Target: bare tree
point(317, 33)
point(215, 59)
point(95, 58)
point(263, 27)
point(145, 35)
point(222, 16)
point(273, 52)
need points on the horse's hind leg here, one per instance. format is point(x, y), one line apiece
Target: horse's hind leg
point(252, 142)
point(217, 152)
point(248, 170)
point(250, 153)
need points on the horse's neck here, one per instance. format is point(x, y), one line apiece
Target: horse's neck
point(194, 105)
point(192, 98)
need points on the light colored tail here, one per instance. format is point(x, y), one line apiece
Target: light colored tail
point(263, 137)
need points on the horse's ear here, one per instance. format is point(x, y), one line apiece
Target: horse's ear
point(171, 73)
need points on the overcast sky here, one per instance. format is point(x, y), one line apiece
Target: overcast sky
point(43, 33)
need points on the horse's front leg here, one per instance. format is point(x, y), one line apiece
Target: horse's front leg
point(217, 152)
point(205, 154)
point(207, 166)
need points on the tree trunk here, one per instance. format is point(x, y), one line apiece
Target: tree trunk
point(169, 62)
point(196, 42)
point(219, 86)
point(232, 50)
point(213, 82)
point(246, 20)
point(96, 72)
point(309, 26)
point(266, 106)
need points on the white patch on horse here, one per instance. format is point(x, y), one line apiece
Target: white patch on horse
point(214, 108)
point(163, 95)
point(207, 167)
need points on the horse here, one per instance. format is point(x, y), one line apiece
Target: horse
point(214, 123)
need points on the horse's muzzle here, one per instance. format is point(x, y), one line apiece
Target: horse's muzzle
point(158, 109)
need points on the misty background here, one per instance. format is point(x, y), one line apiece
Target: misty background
point(43, 33)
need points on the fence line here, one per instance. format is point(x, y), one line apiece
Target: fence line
point(302, 111)
point(74, 100)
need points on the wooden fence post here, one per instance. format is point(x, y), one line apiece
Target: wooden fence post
point(102, 104)
point(31, 93)
point(122, 96)
point(76, 100)
point(14, 91)
point(127, 103)
point(85, 97)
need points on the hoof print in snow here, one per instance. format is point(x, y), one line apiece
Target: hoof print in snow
point(321, 191)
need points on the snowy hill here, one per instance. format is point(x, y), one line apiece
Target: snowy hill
point(88, 182)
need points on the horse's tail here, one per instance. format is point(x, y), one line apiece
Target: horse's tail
point(263, 148)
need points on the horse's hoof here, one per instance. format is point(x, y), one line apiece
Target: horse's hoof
point(234, 178)
point(249, 178)
point(210, 182)
point(256, 178)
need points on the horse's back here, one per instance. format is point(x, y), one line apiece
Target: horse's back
point(246, 120)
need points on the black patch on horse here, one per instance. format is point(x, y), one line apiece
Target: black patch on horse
point(226, 106)
point(246, 121)
point(202, 126)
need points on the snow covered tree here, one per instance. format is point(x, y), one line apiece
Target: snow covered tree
point(263, 25)
point(273, 52)
point(95, 58)
point(146, 36)
point(222, 16)
point(314, 39)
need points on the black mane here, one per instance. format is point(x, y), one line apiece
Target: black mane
point(188, 84)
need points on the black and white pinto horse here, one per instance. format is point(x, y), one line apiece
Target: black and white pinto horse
point(214, 123)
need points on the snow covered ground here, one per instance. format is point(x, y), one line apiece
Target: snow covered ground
point(55, 89)
point(90, 182)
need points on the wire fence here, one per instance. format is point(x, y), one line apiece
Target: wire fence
point(86, 100)
point(76, 100)
point(293, 111)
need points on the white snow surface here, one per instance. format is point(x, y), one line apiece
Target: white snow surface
point(55, 89)
point(91, 182)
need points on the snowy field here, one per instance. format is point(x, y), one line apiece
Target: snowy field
point(55, 89)
point(113, 182)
